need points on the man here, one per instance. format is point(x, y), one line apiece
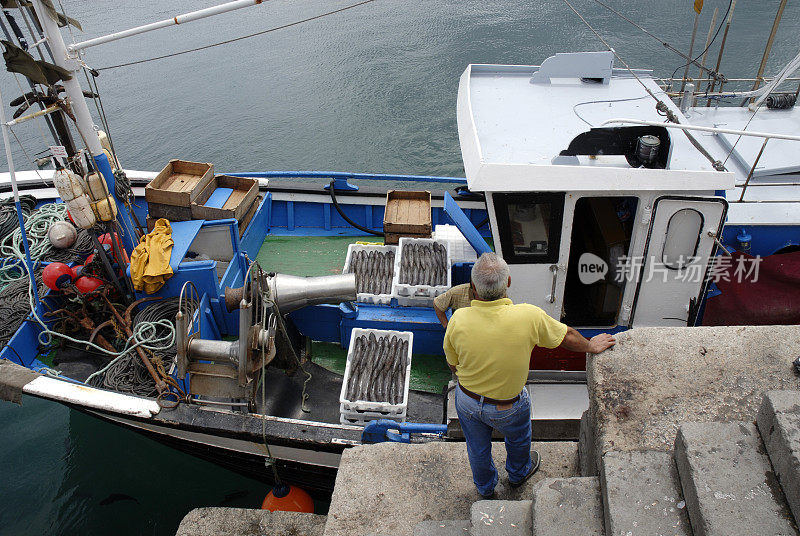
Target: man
point(457, 297)
point(488, 346)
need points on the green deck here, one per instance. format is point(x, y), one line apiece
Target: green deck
point(325, 255)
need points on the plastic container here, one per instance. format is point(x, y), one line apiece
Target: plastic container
point(365, 297)
point(360, 412)
point(460, 249)
point(409, 295)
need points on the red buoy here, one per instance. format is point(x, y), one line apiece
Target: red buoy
point(55, 275)
point(105, 239)
point(288, 498)
point(87, 284)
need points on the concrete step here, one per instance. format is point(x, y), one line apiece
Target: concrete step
point(567, 506)
point(431, 527)
point(501, 518)
point(389, 488)
point(779, 424)
point(642, 494)
point(249, 522)
point(727, 481)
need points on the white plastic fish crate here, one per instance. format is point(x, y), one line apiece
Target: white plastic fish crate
point(363, 410)
point(363, 418)
point(460, 248)
point(364, 296)
point(419, 295)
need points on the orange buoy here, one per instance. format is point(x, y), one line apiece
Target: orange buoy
point(288, 498)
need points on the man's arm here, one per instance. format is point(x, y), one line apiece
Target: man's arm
point(576, 342)
point(441, 316)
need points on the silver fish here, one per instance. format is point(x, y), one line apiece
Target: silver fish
point(366, 371)
point(355, 367)
point(374, 380)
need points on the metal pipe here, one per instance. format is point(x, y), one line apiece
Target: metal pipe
point(13, 175)
point(714, 130)
point(291, 292)
point(34, 115)
point(753, 169)
point(179, 19)
point(708, 41)
point(768, 48)
point(213, 350)
point(691, 48)
point(722, 47)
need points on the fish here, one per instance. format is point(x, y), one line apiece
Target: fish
point(363, 379)
point(401, 376)
point(386, 381)
point(374, 380)
point(355, 367)
point(116, 497)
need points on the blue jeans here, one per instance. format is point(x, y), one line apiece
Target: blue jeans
point(477, 419)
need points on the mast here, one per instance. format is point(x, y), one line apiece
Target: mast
point(83, 118)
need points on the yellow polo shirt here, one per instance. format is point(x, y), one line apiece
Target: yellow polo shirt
point(490, 344)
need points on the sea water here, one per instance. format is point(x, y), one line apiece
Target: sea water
point(372, 89)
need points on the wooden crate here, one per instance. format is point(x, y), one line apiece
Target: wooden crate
point(249, 215)
point(236, 206)
point(408, 213)
point(394, 238)
point(179, 183)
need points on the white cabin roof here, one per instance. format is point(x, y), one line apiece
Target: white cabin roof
point(512, 127)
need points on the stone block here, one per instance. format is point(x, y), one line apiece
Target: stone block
point(567, 506)
point(656, 378)
point(501, 518)
point(728, 483)
point(779, 424)
point(443, 528)
point(642, 494)
point(390, 487)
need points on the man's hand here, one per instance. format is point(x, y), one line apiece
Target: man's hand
point(576, 342)
point(601, 342)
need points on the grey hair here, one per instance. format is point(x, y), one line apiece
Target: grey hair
point(490, 277)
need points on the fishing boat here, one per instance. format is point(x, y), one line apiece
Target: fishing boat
point(609, 216)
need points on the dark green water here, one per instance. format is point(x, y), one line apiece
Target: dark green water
point(370, 90)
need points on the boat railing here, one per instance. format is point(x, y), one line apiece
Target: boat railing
point(341, 179)
point(716, 130)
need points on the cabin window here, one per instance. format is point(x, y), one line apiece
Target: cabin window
point(683, 236)
point(529, 226)
point(600, 243)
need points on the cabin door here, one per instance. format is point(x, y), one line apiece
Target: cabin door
point(529, 237)
point(672, 274)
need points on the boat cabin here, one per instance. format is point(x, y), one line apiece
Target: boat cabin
point(602, 227)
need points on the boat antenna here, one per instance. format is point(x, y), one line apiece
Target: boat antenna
point(7, 144)
point(661, 106)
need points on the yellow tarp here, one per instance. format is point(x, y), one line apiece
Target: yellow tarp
point(150, 267)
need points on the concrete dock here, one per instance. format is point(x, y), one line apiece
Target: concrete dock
point(689, 431)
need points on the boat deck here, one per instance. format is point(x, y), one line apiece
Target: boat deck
point(325, 255)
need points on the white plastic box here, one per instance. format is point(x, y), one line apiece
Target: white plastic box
point(363, 296)
point(460, 248)
point(360, 412)
point(418, 295)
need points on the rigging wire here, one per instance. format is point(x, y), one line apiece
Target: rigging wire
point(661, 106)
point(711, 72)
point(694, 61)
point(237, 38)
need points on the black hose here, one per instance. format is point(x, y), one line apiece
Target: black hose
point(348, 220)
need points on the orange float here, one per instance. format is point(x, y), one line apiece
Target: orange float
point(288, 498)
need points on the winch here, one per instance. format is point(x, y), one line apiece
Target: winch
point(222, 370)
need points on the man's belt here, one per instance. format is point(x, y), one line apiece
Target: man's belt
point(486, 398)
